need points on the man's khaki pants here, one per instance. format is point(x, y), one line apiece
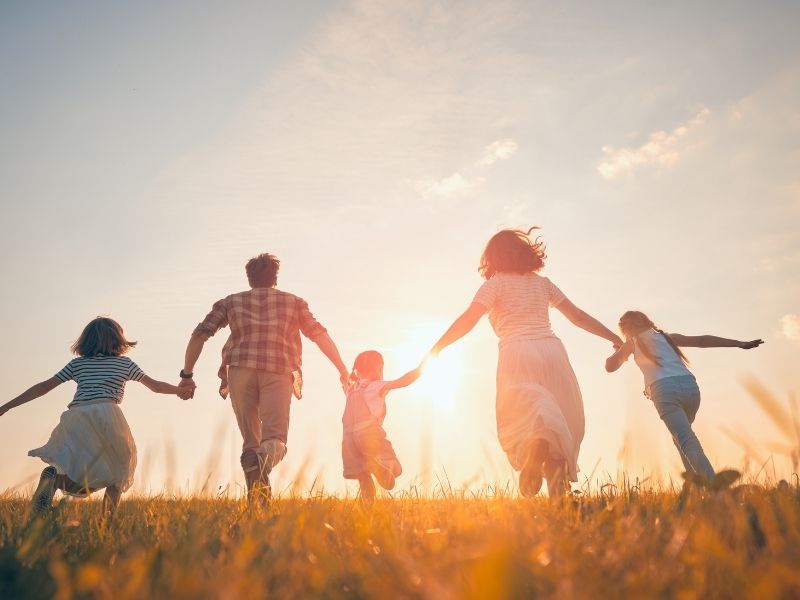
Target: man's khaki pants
point(261, 402)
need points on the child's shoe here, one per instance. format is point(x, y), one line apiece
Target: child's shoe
point(43, 495)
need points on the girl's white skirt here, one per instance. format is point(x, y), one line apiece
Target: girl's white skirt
point(538, 398)
point(93, 446)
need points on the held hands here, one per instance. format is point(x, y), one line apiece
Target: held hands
point(616, 342)
point(345, 380)
point(186, 388)
point(750, 345)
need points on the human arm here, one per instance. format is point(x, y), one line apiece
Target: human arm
point(403, 381)
point(215, 320)
point(712, 341)
point(162, 387)
point(585, 321)
point(460, 327)
point(615, 361)
point(325, 343)
point(33, 392)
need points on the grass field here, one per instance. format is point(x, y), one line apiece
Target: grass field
point(740, 542)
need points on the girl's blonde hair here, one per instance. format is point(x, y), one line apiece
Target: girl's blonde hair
point(102, 337)
point(635, 320)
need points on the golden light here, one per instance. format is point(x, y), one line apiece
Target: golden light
point(441, 376)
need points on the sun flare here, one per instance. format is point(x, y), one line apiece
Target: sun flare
point(441, 377)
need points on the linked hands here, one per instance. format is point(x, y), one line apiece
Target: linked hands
point(616, 342)
point(186, 388)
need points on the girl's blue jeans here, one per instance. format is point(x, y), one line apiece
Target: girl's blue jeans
point(677, 400)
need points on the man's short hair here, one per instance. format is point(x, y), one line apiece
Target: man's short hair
point(262, 270)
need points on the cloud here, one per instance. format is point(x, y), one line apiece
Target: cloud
point(382, 93)
point(662, 148)
point(499, 150)
point(790, 326)
point(454, 185)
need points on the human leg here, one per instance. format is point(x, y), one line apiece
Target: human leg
point(243, 383)
point(275, 399)
point(677, 400)
point(43, 494)
point(530, 476)
point(555, 472)
point(111, 500)
point(366, 488)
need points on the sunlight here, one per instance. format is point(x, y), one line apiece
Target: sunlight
point(442, 376)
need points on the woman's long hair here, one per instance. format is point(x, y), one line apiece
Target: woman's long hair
point(512, 251)
point(635, 320)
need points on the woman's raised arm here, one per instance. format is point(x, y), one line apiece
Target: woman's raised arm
point(460, 327)
point(587, 322)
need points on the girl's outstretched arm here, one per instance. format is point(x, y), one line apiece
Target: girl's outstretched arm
point(615, 361)
point(587, 322)
point(36, 391)
point(405, 380)
point(712, 341)
point(162, 387)
point(460, 327)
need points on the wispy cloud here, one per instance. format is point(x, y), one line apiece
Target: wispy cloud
point(790, 326)
point(499, 150)
point(459, 184)
point(454, 185)
point(663, 148)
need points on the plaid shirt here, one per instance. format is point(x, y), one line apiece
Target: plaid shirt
point(265, 329)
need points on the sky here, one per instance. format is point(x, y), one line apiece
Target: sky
point(149, 149)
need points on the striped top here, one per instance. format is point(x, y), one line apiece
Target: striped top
point(518, 305)
point(100, 377)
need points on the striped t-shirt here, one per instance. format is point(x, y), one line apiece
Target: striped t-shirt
point(100, 377)
point(518, 304)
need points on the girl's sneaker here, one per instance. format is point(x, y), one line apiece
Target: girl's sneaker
point(43, 496)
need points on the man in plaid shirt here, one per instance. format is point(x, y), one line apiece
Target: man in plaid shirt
point(262, 358)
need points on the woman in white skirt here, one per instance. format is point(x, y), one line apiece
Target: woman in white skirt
point(92, 447)
point(540, 421)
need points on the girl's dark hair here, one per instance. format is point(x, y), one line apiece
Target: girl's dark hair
point(368, 361)
point(512, 251)
point(262, 270)
point(102, 337)
point(635, 320)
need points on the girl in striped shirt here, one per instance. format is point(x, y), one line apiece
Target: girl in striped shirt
point(92, 447)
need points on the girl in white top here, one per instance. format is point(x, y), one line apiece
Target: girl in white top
point(366, 452)
point(668, 381)
point(92, 447)
point(540, 421)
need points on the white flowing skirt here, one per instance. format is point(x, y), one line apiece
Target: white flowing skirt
point(538, 398)
point(93, 446)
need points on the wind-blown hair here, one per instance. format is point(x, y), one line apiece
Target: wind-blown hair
point(634, 322)
point(102, 337)
point(262, 270)
point(512, 251)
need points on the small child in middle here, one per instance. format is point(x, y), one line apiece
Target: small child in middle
point(365, 449)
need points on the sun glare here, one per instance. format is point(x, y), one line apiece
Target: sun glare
point(442, 376)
